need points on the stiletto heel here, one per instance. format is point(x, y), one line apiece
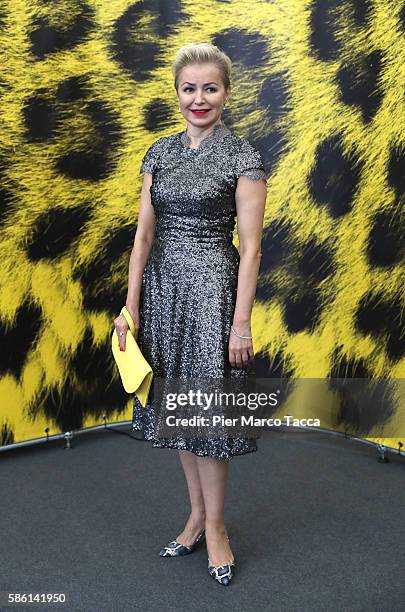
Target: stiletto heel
point(175, 549)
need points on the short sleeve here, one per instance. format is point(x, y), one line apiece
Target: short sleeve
point(151, 159)
point(248, 162)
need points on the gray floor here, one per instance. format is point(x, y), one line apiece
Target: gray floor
point(315, 524)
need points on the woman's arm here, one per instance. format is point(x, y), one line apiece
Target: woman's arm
point(250, 205)
point(142, 246)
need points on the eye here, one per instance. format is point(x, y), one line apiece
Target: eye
point(187, 88)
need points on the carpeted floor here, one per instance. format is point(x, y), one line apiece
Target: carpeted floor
point(315, 524)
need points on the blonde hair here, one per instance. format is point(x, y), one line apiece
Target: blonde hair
point(201, 53)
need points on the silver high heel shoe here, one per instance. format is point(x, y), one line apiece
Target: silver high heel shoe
point(221, 573)
point(175, 549)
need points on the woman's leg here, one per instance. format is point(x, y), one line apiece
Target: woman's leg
point(196, 520)
point(213, 478)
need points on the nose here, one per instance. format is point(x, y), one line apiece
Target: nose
point(199, 97)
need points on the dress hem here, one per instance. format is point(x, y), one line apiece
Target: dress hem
point(182, 445)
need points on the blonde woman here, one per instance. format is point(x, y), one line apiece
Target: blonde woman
point(190, 291)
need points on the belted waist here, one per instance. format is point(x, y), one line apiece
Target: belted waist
point(194, 229)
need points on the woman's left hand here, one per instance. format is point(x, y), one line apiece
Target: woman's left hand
point(241, 352)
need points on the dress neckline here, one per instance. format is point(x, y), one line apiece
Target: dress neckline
point(220, 130)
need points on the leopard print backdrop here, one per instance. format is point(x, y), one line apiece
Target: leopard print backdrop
point(86, 87)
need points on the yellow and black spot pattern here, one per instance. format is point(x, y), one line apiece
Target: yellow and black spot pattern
point(318, 87)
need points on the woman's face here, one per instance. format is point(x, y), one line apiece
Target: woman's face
point(201, 88)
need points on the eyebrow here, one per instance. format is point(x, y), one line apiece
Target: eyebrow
point(210, 83)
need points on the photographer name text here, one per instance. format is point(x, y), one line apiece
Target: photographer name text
point(248, 421)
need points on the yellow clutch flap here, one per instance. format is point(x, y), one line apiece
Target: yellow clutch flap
point(136, 373)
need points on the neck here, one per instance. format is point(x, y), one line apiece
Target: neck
point(196, 135)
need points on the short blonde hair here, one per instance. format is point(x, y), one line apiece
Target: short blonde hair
point(201, 53)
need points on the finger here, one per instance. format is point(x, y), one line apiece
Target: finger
point(245, 358)
point(251, 353)
point(232, 358)
point(121, 339)
point(238, 359)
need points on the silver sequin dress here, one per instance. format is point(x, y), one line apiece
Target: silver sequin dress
point(189, 283)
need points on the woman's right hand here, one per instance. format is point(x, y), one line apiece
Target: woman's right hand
point(121, 326)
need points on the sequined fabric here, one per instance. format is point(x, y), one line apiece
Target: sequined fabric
point(189, 283)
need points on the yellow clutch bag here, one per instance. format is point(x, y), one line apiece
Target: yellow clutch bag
point(136, 373)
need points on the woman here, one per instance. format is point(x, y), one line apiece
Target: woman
point(190, 292)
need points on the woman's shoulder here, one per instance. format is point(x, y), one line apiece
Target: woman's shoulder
point(240, 143)
point(164, 144)
point(247, 158)
point(152, 157)
point(158, 146)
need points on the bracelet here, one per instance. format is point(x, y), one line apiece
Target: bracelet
point(247, 337)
